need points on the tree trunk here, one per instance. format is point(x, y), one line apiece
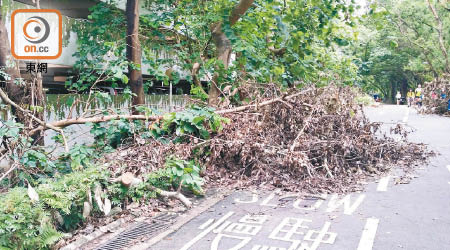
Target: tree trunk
point(39, 99)
point(10, 67)
point(223, 47)
point(134, 54)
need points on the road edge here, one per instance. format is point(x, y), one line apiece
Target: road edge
point(183, 219)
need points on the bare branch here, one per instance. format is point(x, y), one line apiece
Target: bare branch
point(6, 99)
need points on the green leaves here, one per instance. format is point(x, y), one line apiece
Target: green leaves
point(185, 173)
point(24, 225)
point(196, 121)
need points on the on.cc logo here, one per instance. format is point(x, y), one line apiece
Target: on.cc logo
point(36, 34)
point(41, 28)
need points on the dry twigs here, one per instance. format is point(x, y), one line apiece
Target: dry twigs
point(323, 142)
point(316, 139)
point(434, 92)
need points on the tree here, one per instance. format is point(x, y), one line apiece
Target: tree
point(283, 42)
point(11, 68)
point(134, 54)
point(406, 44)
point(223, 46)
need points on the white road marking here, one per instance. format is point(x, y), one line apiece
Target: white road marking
point(310, 208)
point(405, 118)
point(349, 208)
point(368, 234)
point(448, 167)
point(383, 184)
point(206, 231)
point(207, 223)
point(216, 241)
point(267, 200)
point(264, 247)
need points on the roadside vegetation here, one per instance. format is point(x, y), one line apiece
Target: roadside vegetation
point(278, 90)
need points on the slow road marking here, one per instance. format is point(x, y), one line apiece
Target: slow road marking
point(368, 234)
point(383, 184)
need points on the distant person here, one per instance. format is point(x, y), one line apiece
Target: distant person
point(433, 95)
point(443, 95)
point(398, 97)
point(419, 95)
point(410, 96)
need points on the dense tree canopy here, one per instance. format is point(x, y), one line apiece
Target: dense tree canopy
point(405, 43)
point(228, 42)
point(269, 94)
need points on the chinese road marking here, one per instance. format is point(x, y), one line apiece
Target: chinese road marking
point(249, 225)
point(264, 247)
point(320, 237)
point(383, 184)
point(216, 241)
point(368, 234)
point(207, 223)
point(295, 231)
point(448, 167)
point(206, 231)
point(349, 208)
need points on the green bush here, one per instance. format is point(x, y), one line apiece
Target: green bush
point(185, 173)
point(23, 224)
point(197, 121)
point(365, 100)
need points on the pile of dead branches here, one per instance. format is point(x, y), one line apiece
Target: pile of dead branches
point(437, 94)
point(315, 139)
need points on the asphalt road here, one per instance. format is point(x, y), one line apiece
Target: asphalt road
point(386, 216)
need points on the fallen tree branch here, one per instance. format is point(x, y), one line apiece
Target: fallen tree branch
point(9, 171)
point(6, 99)
point(58, 125)
point(82, 120)
point(128, 179)
point(186, 202)
point(258, 105)
point(306, 124)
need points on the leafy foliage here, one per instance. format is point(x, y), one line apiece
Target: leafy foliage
point(398, 46)
point(185, 173)
point(100, 52)
point(196, 121)
point(24, 225)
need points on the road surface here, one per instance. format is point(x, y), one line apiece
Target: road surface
point(386, 216)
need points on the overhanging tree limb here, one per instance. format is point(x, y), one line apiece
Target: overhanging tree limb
point(6, 99)
point(440, 35)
